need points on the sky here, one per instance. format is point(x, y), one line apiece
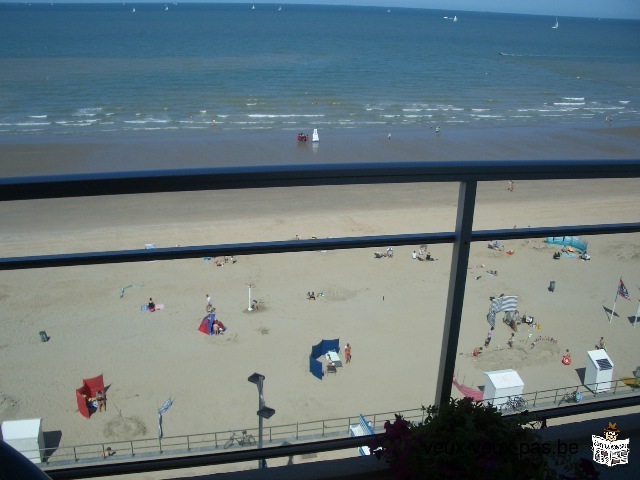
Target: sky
point(626, 9)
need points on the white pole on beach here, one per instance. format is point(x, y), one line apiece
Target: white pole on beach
point(614, 302)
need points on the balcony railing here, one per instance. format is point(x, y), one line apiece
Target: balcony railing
point(467, 174)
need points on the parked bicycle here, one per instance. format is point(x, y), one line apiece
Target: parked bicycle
point(571, 397)
point(514, 404)
point(245, 439)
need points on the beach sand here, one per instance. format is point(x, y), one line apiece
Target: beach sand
point(389, 310)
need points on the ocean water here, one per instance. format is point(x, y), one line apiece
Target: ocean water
point(107, 70)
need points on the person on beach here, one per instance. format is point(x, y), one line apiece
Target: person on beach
point(511, 340)
point(151, 306)
point(347, 353)
point(209, 305)
point(477, 351)
point(601, 344)
point(414, 255)
point(102, 400)
point(511, 185)
point(489, 337)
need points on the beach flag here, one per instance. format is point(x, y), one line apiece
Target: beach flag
point(622, 290)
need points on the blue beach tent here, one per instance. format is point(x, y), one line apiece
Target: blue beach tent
point(315, 366)
point(574, 242)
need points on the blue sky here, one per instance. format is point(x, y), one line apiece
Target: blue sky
point(629, 9)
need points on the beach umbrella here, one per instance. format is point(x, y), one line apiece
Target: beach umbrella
point(163, 409)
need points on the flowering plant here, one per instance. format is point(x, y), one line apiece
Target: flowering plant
point(465, 439)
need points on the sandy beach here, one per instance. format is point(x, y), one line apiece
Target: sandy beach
point(390, 310)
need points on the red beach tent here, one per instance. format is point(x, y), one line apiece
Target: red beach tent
point(89, 388)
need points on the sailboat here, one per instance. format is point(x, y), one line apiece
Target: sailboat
point(455, 18)
point(134, 10)
point(556, 25)
point(315, 137)
point(280, 8)
point(166, 8)
point(253, 7)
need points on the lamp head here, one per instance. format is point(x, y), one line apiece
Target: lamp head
point(266, 412)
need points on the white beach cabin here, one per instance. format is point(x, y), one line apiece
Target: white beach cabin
point(598, 373)
point(26, 437)
point(502, 384)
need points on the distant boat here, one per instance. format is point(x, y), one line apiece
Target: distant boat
point(253, 7)
point(556, 24)
point(166, 8)
point(455, 19)
point(315, 137)
point(280, 8)
point(134, 10)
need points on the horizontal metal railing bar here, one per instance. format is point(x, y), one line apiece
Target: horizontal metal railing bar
point(81, 185)
point(200, 460)
point(291, 246)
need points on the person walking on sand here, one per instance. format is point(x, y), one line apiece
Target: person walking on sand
point(209, 304)
point(511, 340)
point(347, 353)
point(511, 185)
point(489, 336)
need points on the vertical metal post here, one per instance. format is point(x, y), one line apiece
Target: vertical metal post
point(260, 406)
point(457, 283)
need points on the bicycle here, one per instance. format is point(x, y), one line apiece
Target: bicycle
point(514, 403)
point(573, 397)
point(246, 439)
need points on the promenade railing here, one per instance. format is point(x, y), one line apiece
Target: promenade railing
point(467, 174)
point(313, 430)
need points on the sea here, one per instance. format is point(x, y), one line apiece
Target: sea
point(117, 69)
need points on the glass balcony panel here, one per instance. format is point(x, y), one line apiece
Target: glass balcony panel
point(551, 203)
point(563, 303)
point(128, 222)
point(94, 320)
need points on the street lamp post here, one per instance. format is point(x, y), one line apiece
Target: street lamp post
point(263, 411)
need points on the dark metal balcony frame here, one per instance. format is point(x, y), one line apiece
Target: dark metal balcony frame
point(467, 174)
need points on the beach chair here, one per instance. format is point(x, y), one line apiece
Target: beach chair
point(360, 429)
point(331, 369)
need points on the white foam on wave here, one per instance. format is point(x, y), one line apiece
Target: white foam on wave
point(32, 124)
point(147, 120)
point(581, 99)
point(568, 103)
point(87, 112)
point(37, 116)
point(412, 109)
point(624, 101)
point(480, 109)
point(267, 115)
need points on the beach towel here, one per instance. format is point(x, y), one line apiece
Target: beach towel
point(159, 306)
